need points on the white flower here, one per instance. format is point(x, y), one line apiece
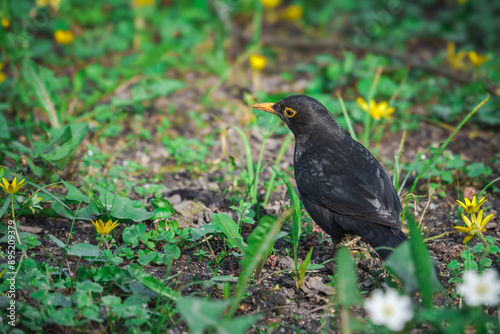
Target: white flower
point(389, 309)
point(478, 289)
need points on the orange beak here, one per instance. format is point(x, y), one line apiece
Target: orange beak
point(265, 107)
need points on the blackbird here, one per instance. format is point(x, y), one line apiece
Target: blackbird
point(343, 187)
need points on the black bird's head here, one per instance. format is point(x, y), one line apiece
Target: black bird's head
point(302, 114)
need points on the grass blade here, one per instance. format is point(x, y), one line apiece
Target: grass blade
point(296, 218)
point(41, 92)
point(248, 156)
point(259, 244)
point(281, 153)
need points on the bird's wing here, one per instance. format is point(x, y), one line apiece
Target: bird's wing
point(350, 182)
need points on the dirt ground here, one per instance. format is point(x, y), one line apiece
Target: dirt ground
point(276, 295)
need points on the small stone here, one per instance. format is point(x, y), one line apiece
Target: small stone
point(470, 192)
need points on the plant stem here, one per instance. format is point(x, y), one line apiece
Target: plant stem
point(366, 135)
point(347, 118)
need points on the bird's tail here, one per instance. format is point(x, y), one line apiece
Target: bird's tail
point(381, 238)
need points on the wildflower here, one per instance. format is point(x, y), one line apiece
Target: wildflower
point(456, 60)
point(54, 4)
point(475, 225)
point(389, 309)
point(144, 3)
point(5, 22)
point(11, 188)
point(477, 59)
point(270, 3)
point(258, 62)
point(104, 229)
point(2, 75)
point(471, 207)
point(35, 203)
point(292, 12)
point(480, 289)
point(64, 37)
point(377, 111)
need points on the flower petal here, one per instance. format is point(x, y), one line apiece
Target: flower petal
point(462, 204)
point(362, 103)
point(467, 238)
point(485, 221)
point(462, 229)
point(466, 221)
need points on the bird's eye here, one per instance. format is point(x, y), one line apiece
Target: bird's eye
point(289, 112)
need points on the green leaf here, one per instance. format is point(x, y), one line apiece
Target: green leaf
point(424, 267)
point(4, 129)
point(148, 91)
point(454, 264)
point(230, 229)
point(476, 169)
point(198, 232)
point(66, 142)
point(89, 286)
point(132, 234)
point(303, 267)
point(38, 171)
point(5, 206)
point(122, 207)
point(74, 194)
point(42, 94)
point(171, 251)
point(485, 262)
point(401, 264)
point(163, 208)
point(259, 245)
point(63, 316)
point(150, 282)
point(204, 315)
point(478, 248)
point(57, 241)
point(84, 250)
point(296, 216)
point(144, 260)
point(347, 279)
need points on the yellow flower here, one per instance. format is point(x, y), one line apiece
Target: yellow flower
point(292, 13)
point(64, 37)
point(2, 77)
point(258, 62)
point(456, 60)
point(270, 3)
point(477, 59)
point(11, 188)
point(471, 207)
point(474, 226)
point(461, 1)
point(104, 229)
point(5, 22)
point(377, 111)
point(143, 3)
point(54, 4)
point(1, 274)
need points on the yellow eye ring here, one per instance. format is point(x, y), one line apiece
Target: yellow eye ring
point(289, 112)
